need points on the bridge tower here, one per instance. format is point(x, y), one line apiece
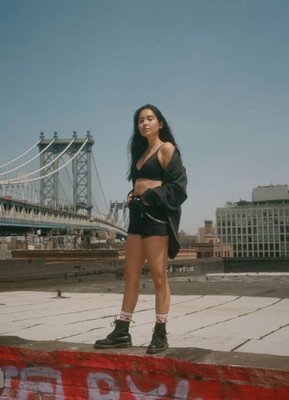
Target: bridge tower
point(80, 151)
point(119, 212)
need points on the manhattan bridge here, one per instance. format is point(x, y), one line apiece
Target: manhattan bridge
point(54, 186)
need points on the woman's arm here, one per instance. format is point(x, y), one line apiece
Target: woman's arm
point(166, 153)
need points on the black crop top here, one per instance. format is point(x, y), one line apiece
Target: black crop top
point(151, 169)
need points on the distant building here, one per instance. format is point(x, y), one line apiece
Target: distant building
point(259, 228)
point(207, 234)
point(209, 245)
point(187, 241)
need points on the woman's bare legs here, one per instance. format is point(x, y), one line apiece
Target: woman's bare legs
point(120, 336)
point(156, 251)
point(135, 258)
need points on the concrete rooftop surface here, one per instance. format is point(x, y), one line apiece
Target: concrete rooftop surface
point(227, 323)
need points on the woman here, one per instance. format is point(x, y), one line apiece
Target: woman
point(159, 188)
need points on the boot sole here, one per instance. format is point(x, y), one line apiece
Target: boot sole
point(114, 346)
point(155, 351)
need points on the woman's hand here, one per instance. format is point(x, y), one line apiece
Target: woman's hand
point(129, 197)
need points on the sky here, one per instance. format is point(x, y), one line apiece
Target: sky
point(217, 69)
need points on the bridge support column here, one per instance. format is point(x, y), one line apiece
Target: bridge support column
point(79, 150)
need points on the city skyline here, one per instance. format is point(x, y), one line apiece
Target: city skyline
point(218, 70)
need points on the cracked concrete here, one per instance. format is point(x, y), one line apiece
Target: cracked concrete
point(234, 321)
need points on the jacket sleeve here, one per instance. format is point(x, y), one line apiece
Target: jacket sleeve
point(173, 191)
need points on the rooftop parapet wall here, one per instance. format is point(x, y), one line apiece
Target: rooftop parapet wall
point(54, 370)
point(68, 254)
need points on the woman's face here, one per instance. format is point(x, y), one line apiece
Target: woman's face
point(148, 124)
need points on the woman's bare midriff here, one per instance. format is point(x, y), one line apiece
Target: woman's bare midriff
point(141, 185)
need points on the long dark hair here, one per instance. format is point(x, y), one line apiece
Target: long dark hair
point(138, 144)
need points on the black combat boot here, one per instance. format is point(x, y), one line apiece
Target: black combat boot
point(159, 340)
point(119, 337)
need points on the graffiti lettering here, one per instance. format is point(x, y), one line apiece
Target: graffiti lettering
point(33, 380)
point(47, 383)
point(94, 381)
point(9, 373)
point(68, 375)
point(156, 393)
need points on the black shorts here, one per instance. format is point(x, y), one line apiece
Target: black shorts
point(146, 220)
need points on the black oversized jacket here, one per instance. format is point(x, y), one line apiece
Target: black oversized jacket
point(170, 195)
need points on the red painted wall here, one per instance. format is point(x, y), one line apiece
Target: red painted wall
point(27, 373)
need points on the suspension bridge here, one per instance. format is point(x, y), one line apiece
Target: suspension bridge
point(55, 186)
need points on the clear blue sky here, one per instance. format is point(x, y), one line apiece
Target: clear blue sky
point(218, 70)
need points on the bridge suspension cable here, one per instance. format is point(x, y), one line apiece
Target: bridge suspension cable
point(100, 185)
point(22, 155)
point(27, 162)
point(18, 181)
